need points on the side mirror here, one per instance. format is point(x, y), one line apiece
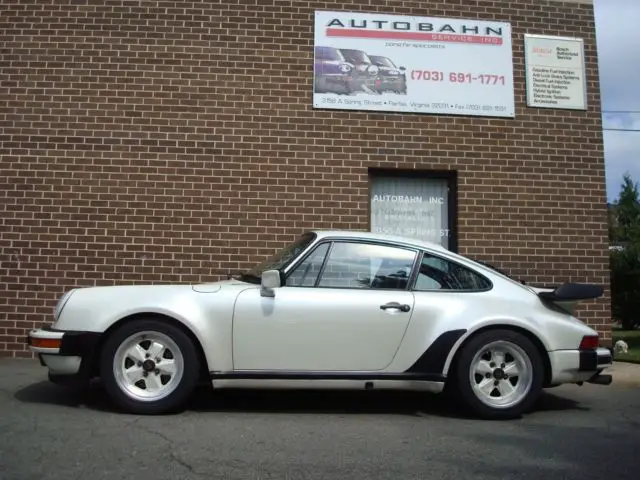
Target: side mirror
point(270, 280)
point(402, 69)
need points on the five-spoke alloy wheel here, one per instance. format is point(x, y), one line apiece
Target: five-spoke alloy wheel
point(498, 374)
point(149, 366)
point(501, 374)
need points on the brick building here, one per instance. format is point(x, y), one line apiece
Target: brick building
point(178, 141)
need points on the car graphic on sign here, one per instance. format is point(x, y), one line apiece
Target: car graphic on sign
point(365, 73)
point(332, 73)
point(392, 78)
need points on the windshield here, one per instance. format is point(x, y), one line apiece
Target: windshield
point(356, 56)
point(328, 53)
point(279, 260)
point(382, 62)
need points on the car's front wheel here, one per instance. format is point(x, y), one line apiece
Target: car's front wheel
point(498, 374)
point(149, 367)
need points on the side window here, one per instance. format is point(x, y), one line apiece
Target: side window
point(440, 274)
point(362, 265)
point(306, 273)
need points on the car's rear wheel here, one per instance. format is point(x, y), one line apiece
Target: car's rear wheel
point(498, 374)
point(149, 367)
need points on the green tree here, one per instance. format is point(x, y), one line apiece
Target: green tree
point(624, 231)
point(626, 214)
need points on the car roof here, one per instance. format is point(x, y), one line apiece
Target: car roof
point(421, 244)
point(363, 235)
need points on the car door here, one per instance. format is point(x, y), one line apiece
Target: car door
point(344, 307)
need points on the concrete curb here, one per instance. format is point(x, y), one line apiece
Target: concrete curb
point(624, 373)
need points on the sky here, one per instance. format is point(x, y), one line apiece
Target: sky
point(618, 35)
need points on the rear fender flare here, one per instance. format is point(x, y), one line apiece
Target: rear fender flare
point(490, 325)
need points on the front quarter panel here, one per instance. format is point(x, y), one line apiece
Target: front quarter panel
point(207, 314)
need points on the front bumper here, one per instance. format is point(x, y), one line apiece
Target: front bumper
point(335, 83)
point(577, 366)
point(392, 83)
point(70, 356)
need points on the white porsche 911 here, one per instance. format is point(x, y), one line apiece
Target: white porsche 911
point(332, 310)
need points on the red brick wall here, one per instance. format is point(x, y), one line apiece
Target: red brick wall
point(171, 141)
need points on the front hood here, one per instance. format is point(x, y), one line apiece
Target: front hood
point(213, 287)
point(154, 289)
point(389, 71)
point(332, 66)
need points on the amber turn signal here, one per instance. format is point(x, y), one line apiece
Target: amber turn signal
point(46, 342)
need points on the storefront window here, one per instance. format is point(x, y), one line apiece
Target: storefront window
point(411, 207)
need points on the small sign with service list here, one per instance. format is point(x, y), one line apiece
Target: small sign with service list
point(555, 70)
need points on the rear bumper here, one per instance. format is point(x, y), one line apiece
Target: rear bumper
point(593, 360)
point(576, 366)
point(68, 355)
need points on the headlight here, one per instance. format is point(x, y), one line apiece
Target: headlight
point(373, 70)
point(345, 67)
point(61, 303)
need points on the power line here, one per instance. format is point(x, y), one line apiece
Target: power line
point(621, 129)
point(622, 111)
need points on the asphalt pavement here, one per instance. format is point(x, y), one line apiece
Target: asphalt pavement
point(47, 432)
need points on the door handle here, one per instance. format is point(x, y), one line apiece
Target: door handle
point(396, 305)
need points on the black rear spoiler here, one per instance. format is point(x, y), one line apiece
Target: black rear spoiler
point(571, 292)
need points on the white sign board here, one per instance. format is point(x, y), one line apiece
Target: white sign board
point(392, 63)
point(555, 72)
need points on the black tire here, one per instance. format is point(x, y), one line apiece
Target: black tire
point(459, 385)
point(173, 402)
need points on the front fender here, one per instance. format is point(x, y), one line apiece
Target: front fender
point(207, 315)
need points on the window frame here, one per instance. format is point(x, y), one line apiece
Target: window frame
point(457, 264)
point(287, 272)
point(417, 261)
